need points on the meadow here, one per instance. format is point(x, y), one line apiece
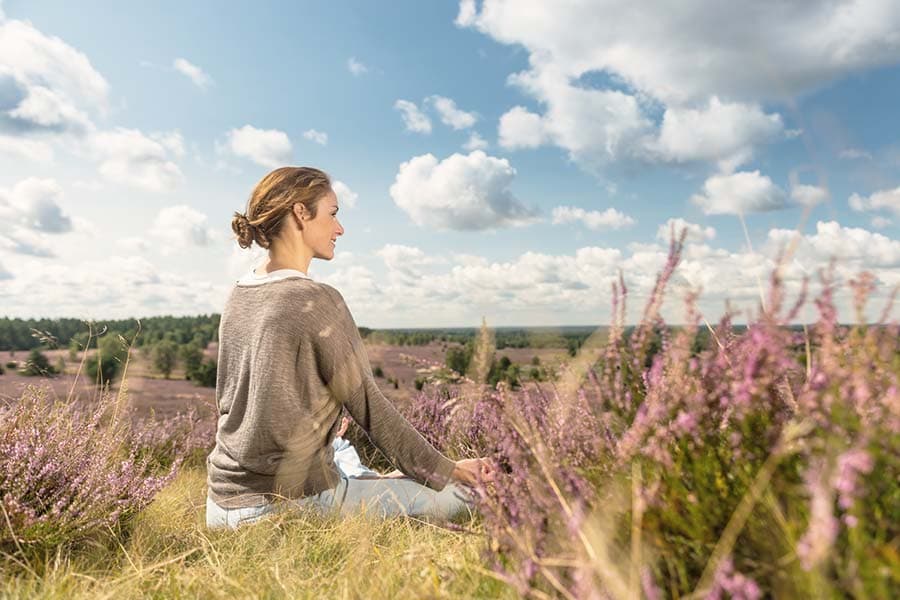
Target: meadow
point(763, 462)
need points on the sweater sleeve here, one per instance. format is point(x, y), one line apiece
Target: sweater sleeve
point(344, 367)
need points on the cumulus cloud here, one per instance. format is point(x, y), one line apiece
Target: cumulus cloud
point(319, 137)
point(413, 118)
point(855, 247)
point(86, 290)
point(133, 244)
point(34, 204)
point(695, 232)
point(200, 78)
point(882, 200)
point(356, 67)
point(463, 192)
point(450, 114)
point(739, 193)
point(600, 71)
point(181, 226)
point(475, 142)
point(45, 84)
point(725, 133)
point(809, 195)
point(266, 147)
point(129, 157)
point(29, 149)
point(520, 128)
point(592, 219)
point(346, 197)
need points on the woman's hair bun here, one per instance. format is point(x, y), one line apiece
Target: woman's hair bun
point(242, 228)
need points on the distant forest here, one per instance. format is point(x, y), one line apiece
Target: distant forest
point(25, 334)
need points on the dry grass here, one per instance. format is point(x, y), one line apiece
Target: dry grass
point(169, 554)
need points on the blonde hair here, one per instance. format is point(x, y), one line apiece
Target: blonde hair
point(274, 198)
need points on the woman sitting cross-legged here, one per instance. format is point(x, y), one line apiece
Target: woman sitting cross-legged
point(290, 358)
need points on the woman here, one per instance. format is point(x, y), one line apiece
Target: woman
point(290, 357)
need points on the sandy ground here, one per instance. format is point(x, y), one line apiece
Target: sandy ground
point(148, 391)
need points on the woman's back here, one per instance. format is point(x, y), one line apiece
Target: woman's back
point(275, 412)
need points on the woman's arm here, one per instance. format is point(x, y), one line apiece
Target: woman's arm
point(344, 367)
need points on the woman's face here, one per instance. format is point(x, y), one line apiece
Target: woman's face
point(321, 232)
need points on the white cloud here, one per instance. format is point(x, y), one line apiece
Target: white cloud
point(34, 204)
point(719, 132)
point(463, 192)
point(267, 147)
point(19, 240)
point(133, 244)
point(414, 119)
point(200, 78)
point(882, 200)
point(405, 262)
point(319, 137)
point(129, 157)
point(346, 197)
point(45, 84)
point(475, 142)
point(356, 67)
point(854, 154)
point(695, 232)
point(879, 222)
point(451, 115)
point(856, 247)
point(520, 128)
point(809, 195)
point(181, 226)
point(592, 219)
point(739, 193)
point(601, 70)
point(29, 149)
point(114, 287)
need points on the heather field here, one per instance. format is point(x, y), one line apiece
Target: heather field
point(698, 461)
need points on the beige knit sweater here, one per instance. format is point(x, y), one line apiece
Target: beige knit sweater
point(290, 355)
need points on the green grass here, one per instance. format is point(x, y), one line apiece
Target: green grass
point(169, 553)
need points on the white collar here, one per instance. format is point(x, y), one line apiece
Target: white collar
point(253, 278)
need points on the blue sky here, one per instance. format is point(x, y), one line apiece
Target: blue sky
point(499, 159)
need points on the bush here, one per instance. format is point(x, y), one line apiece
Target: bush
point(37, 364)
point(377, 371)
point(205, 375)
point(11, 364)
point(164, 355)
point(103, 366)
point(419, 383)
point(68, 473)
point(191, 355)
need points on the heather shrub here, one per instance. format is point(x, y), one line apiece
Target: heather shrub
point(716, 461)
point(70, 471)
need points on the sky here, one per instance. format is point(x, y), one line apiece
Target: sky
point(503, 159)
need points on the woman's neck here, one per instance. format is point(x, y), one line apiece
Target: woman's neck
point(283, 257)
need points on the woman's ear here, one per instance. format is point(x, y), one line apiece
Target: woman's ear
point(300, 214)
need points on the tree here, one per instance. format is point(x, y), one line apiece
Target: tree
point(164, 355)
point(458, 358)
point(37, 364)
point(74, 348)
point(206, 374)
point(104, 364)
point(191, 355)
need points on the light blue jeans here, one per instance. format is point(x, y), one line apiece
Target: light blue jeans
point(373, 497)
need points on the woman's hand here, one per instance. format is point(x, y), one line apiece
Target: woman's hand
point(470, 471)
